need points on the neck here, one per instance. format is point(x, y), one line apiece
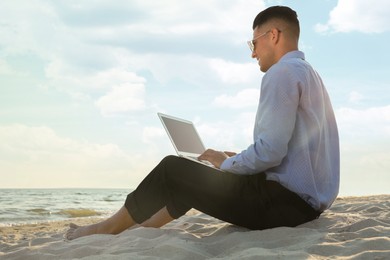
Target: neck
point(285, 48)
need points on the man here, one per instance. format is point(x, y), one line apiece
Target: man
point(288, 176)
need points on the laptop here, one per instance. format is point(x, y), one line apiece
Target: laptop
point(184, 137)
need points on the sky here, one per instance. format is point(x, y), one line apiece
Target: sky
point(81, 83)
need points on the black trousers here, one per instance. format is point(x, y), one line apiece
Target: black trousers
point(246, 200)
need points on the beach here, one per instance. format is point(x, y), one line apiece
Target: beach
point(353, 228)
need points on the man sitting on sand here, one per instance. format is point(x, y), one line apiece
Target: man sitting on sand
point(288, 176)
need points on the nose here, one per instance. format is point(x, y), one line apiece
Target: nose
point(254, 56)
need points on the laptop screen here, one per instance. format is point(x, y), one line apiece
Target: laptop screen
point(183, 135)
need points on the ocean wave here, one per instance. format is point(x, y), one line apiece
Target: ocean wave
point(76, 213)
point(39, 211)
point(30, 206)
point(111, 199)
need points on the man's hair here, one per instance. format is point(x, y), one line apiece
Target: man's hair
point(282, 13)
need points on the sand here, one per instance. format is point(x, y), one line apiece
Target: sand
point(353, 228)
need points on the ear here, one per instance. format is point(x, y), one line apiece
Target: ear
point(275, 35)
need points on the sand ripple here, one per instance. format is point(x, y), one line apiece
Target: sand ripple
point(354, 228)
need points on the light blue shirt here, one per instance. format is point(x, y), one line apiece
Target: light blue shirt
point(296, 140)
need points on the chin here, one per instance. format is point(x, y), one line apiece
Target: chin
point(262, 69)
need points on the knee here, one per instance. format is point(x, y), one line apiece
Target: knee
point(170, 157)
point(168, 160)
point(172, 166)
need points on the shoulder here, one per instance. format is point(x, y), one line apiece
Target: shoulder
point(284, 74)
point(291, 70)
point(284, 79)
point(291, 65)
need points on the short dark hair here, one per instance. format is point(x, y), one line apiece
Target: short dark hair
point(283, 13)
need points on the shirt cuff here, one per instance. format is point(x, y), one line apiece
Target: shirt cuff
point(227, 164)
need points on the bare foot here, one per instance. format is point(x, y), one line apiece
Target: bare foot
point(76, 231)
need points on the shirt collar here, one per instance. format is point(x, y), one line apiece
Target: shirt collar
point(293, 55)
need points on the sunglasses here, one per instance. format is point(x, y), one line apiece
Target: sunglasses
point(252, 42)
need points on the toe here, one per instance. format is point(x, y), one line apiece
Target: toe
point(72, 225)
point(69, 234)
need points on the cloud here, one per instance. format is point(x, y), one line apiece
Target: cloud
point(43, 143)
point(355, 97)
point(373, 120)
point(77, 46)
point(64, 75)
point(40, 157)
point(234, 73)
point(244, 98)
point(150, 134)
point(364, 144)
point(120, 91)
point(358, 15)
point(5, 68)
point(171, 16)
point(123, 98)
point(89, 49)
point(168, 27)
point(234, 134)
point(89, 14)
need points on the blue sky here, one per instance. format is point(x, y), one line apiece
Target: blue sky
point(81, 83)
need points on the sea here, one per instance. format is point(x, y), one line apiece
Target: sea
point(27, 206)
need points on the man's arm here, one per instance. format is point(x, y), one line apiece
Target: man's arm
point(274, 125)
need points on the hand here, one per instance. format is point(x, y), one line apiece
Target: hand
point(214, 157)
point(230, 154)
